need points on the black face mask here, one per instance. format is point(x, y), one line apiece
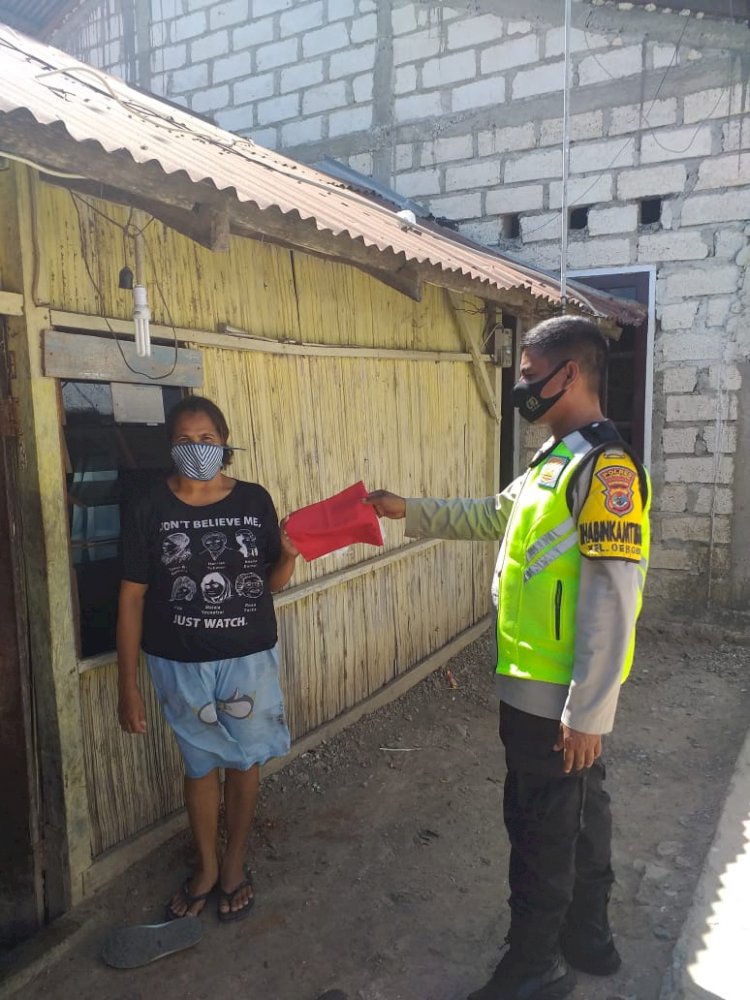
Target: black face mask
point(527, 396)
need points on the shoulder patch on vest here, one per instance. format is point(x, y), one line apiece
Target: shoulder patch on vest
point(553, 468)
point(610, 522)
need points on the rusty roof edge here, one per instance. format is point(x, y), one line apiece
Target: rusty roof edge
point(547, 286)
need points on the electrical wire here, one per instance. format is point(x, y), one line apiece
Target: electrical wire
point(37, 166)
point(76, 199)
point(643, 117)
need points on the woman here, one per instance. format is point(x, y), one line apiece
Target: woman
point(210, 639)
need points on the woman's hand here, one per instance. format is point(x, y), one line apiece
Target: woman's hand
point(131, 711)
point(288, 548)
point(282, 572)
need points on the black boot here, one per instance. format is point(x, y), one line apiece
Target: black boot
point(520, 978)
point(586, 939)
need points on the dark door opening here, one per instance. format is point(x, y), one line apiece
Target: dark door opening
point(624, 395)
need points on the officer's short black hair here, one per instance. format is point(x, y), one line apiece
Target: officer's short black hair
point(572, 338)
point(199, 404)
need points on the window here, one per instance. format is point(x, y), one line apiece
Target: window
point(579, 218)
point(112, 455)
point(511, 226)
point(650, 211)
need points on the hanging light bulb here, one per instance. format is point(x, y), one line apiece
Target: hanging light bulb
point(141, 311)
point(142, 320)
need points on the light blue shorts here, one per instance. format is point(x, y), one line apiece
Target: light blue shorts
point(224, 713)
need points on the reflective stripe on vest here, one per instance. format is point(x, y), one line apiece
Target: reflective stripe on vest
point(538, 571)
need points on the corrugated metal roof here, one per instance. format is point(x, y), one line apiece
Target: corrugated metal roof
point(95, 107)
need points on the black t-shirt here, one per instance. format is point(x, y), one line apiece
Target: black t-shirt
point(207, 572)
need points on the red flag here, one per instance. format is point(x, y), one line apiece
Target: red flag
point(334, 523)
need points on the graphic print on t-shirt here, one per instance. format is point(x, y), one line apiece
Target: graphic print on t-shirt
point(206, 571)
point(214, 543)
point(175, 548)
point(216, 575)
point(216, 588)
point(247, 543)
point(249, 585)
point(183, 589)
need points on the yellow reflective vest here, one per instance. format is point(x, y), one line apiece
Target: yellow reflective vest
point(544, 545)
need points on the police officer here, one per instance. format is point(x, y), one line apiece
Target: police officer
point(568, 586)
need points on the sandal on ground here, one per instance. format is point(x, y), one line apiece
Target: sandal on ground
point(189, 900)
point(226, 897)
point(131, 947)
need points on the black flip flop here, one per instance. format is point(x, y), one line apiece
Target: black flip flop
point(131, 947)
point(189, 899)
point(227, 897)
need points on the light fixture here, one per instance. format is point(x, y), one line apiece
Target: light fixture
point(141, 311)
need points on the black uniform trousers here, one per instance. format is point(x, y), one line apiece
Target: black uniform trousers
point(560, 831)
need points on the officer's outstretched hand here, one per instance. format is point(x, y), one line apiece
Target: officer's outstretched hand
point(580, 749)
point(386, 504)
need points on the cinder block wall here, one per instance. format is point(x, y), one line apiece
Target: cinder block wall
point(458, 105)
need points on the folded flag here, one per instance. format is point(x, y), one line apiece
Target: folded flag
point(334, 523)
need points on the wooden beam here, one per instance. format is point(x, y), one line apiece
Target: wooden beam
point(239, 340)
point(403, 279)
point(211, 229)
point(204, 225)
point(342, 576)
point(11, 304)
point(52, 146)
point(98, 359)
point(487, 390)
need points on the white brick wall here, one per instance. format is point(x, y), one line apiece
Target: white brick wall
point(477, 95)
point(449, 69)
point(471, 32)
point(592, 156)
point(547, 163)
point(466, 116)
point(634, 117)
point(541, 80)
point(610, 65)
point(677, 245)
point(620, 219)
point(506, 55)
point(502, 201)
point(710, 209)
point(501, 140)
point(676, 144)
point(724, 171)
point(651, 181)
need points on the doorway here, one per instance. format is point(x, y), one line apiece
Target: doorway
point(628, 393)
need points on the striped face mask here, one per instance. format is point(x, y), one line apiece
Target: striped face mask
point(198, 461)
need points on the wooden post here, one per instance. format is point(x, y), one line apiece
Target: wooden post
point(48, 570)
point(487, 387)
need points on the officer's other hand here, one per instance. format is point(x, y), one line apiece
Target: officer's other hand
point(580, 750)
point(386, 504)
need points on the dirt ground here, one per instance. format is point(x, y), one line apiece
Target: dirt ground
point(380, 857)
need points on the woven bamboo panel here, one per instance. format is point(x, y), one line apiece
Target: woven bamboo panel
point(255, 287)
point(133, 781)
point(311, 426)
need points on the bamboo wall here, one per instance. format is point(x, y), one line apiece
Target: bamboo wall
point(311, 426)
